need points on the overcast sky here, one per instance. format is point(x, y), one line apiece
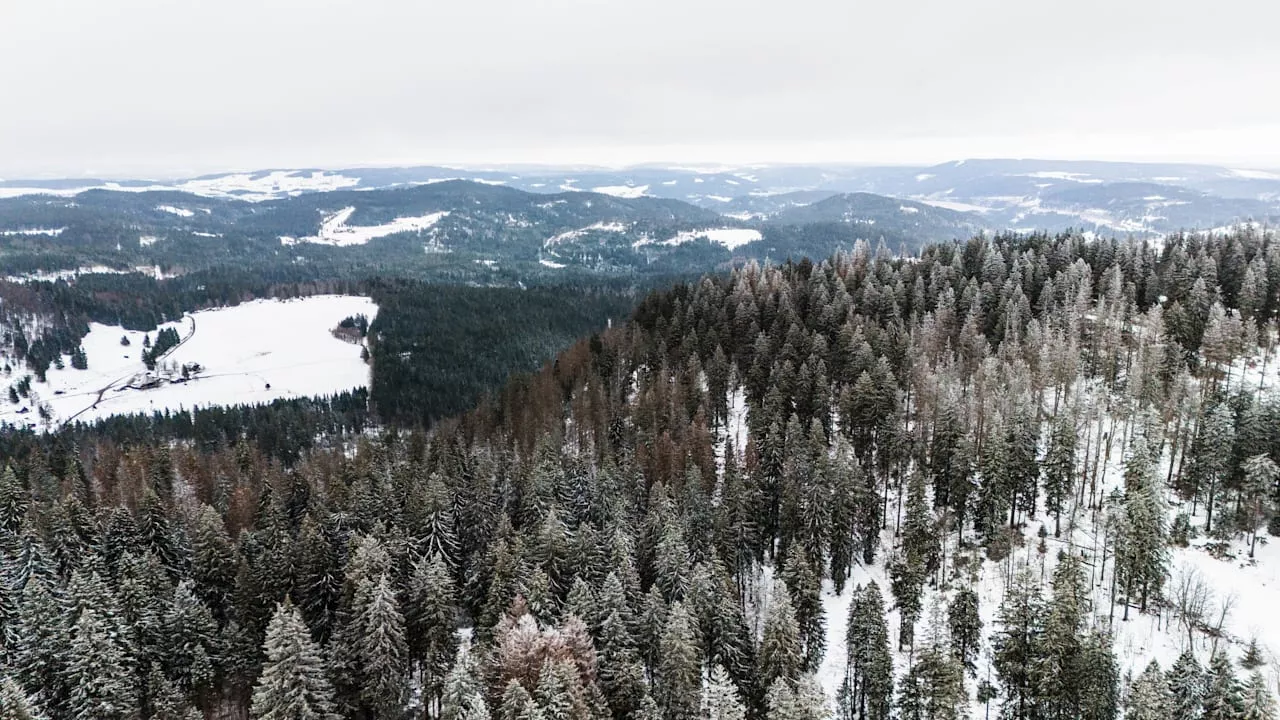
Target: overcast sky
point(173, 87)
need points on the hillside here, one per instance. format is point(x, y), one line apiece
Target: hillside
point(1028, 444)
point(877, 213)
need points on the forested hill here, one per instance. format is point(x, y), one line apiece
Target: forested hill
point(870, 487)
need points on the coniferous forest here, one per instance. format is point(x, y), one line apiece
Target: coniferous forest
point(987, 456)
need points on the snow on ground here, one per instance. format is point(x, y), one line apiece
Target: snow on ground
point(55, 275)
point(613, 227)
point(253, 353)
point(1255, 174)
point(551, 264)
point(50, 232)
point(731, 238)
point(623, 191)
point(908, 210)
point(1062, 175)
point(334, 230)
point(253, 187)
point(1251, 588)
point(258, 187)
point(180, 212)
point(147, 240)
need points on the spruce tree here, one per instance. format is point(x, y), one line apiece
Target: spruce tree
point(1258, 702)
point(869, 660)
point(382, 651)
point(721, 700)
point(1017, 647)
point(933, 689)
point(463, 699)
point(1186, 687)
point(293, 684)
point(16, 705)
point(781, 654)
point(1149, 696)
point(965, 626)
point(100, 671)
point(678, 678)
point(1222, 695)
point(430, 623)
point(806, 601)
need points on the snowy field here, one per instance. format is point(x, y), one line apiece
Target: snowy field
point(335, 230)
point(731, 238)
point(252, 353)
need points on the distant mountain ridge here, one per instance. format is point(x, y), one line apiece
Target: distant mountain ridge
point(1016, 194)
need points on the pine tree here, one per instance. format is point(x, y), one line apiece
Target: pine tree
point(293, 685)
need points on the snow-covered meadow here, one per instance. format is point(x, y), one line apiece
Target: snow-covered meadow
point(335, 230)
point(252, 353)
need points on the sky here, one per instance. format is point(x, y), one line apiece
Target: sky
point(166, 88)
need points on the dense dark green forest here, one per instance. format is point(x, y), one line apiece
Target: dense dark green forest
point(437, 349)
point(652, 525)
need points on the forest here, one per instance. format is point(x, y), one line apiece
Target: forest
point(990, 451)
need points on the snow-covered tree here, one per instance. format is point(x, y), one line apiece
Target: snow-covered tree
point(293, 684)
